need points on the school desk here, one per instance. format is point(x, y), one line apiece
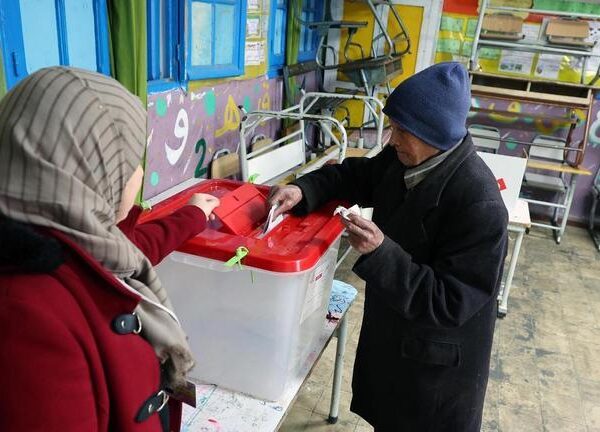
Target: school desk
point(221, 410)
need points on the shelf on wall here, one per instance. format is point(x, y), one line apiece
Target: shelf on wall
point(520, 46)
point(532, 90)
point(545, 12)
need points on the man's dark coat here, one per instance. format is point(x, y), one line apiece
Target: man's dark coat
point(430, 306)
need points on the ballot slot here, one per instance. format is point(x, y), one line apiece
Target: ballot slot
point(245, 211)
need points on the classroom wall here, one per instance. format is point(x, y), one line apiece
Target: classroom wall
point(187, 128)
point(2, 78)
point(461, 13)
point(412, 17)
point(525, 129)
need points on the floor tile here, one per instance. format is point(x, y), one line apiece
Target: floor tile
point(553, 424)
point(516, 418)
point(592, 414)
point(562, 407)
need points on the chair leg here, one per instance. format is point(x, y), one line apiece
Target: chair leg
point(592, 220)
point(568, 204)
point(554, 219)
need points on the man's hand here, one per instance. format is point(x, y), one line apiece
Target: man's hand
point(205, 202)
point(364, 235)
point(286, 197)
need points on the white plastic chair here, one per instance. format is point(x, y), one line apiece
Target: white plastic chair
point(485, 138)
point(544, 181)
point(549, 182)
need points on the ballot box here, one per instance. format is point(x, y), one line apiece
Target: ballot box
point(253, 303)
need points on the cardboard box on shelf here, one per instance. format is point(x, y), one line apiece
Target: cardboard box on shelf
point(568, 28)
point(573, 32)
point(502, 23)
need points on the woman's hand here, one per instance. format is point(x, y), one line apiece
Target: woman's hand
point(205, 202)
point(285, 197)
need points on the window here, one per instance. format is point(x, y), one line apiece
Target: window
point(216, 40)
point(165, 33)
point(277, 33)
point(41, 33)
point(312, 11)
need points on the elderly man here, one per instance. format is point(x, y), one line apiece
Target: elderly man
point(432, 259)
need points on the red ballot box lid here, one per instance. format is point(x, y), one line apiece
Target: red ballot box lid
point(295, 245)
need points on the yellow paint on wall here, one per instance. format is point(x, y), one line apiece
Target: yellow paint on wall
point(2, 78)
point(412, 16)
point(356, 11)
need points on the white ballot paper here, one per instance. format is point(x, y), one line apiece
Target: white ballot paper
point(346, 212)
point(271, 222)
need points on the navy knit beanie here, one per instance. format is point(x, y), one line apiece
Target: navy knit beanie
point(433, 104)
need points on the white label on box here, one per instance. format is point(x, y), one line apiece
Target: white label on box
point(315, 291)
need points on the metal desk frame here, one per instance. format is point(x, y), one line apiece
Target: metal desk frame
point(518, 223)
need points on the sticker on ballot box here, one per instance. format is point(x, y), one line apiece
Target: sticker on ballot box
point(316, 290)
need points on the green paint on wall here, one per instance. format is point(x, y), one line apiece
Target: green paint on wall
point(161, 107)
point(247, 103)
point(568, 6)
point(210, 103)
point(2, 78)
point(154, 178)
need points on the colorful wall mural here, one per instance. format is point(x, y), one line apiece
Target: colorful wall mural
point(545, 122)
point(454, 43)
point(186, 130)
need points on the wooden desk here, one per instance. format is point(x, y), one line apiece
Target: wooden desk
point(557, 167)
point(573, 172)
point(358, 152)
point(222, 410)
point(518, 221)
point(329, 155)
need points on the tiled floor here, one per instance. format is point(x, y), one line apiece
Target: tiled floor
point(545, 373)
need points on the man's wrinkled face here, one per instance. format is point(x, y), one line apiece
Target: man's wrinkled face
point(410, 150)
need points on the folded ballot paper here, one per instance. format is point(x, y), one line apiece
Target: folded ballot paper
point(271, 221)
point(346, 212)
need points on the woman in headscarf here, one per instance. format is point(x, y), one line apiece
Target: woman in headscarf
point(88, 338)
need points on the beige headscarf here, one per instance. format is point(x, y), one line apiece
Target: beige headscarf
point(69, 142)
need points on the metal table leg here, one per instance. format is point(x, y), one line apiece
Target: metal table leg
point(568, 203)
point(503, 306)
point(342, 333)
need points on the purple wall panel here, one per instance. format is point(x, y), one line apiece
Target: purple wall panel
point(525, 129)
point(186, 130)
